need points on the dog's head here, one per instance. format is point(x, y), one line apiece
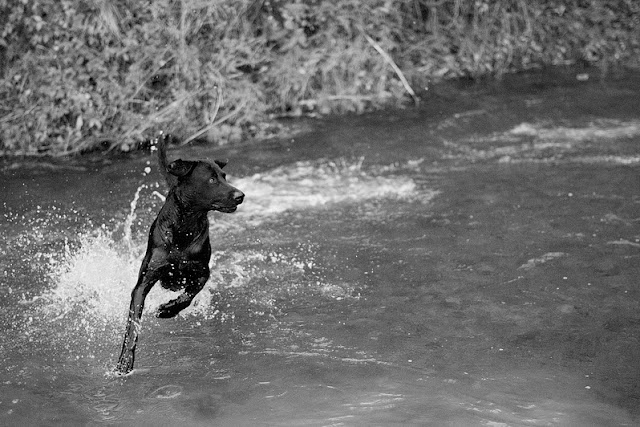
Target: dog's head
point(203, 185)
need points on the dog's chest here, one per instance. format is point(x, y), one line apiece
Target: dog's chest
point(184, 274)
point(193, 243)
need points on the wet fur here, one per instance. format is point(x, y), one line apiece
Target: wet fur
point(178, 250)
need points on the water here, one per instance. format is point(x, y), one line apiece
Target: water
point(473, 262)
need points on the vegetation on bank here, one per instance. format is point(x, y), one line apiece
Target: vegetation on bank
point(78, 75)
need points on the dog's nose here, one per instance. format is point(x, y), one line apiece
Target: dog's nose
point(238, 196)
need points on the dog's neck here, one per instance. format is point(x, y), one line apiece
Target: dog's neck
point(186, 212)
point(181, 225)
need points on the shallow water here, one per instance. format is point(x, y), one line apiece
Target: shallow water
point(472, 262)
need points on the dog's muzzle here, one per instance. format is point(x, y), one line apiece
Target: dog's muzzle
point(235, 198)
point(238, 196)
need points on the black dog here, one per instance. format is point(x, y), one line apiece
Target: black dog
point(178, 251)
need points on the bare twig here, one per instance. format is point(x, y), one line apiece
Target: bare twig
point(13, 116)
point(152, 119)
point(388, 59)
point(213, 122)
point(150, 75)
point(355, 98)
point(78, 146)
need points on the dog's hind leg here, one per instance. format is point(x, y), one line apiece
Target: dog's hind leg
point(175, 306)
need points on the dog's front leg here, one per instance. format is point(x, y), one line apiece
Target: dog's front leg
point(147, 278)
point(127, 355)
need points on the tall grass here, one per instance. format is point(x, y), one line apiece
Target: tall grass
point(86, 74)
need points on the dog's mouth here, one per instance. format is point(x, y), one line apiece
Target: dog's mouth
point(230, 204)
point(227, 209)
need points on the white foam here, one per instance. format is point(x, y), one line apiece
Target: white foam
point(316, 184)
point(544, 143)
point(534, 262)
point(603, 129)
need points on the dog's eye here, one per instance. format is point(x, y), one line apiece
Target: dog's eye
point(212, 180)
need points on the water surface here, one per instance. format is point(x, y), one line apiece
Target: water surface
point(471, 262)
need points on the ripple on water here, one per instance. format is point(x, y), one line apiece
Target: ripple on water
point(169, 391)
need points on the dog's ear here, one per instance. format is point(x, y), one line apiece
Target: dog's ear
point(181, 167)
point(221, 163)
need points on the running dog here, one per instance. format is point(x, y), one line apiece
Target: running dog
point(178, 250)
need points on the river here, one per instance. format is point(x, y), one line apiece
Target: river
point(473, 261)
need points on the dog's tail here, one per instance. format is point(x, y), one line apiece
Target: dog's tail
point(161, 146)
point(173, 171)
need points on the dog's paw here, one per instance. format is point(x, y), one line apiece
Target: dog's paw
point(116, 373)
point(124, 367)
point(166, 311)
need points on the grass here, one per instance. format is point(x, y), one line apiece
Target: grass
point(85, 75)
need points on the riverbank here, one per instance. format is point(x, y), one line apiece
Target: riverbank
point(94, 75)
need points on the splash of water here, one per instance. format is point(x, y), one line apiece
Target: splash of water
point(131, 217)
point(92, 284)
